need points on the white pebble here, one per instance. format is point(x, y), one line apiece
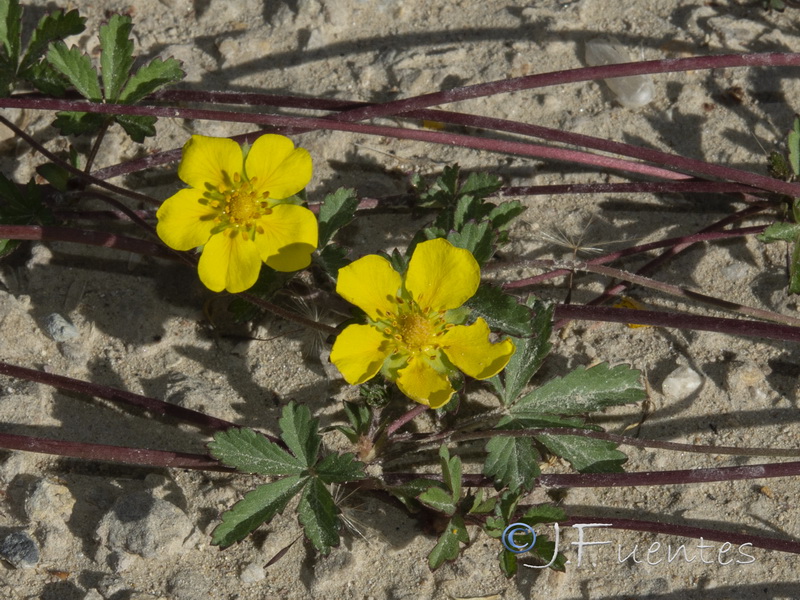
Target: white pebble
point(631, 92)
point(59, 328)
point(681, 383)
point(252, 573)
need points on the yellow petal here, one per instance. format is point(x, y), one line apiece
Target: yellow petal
point(359, 352)
point(424, 384)
point(229, 263)
point(210, 161)
point(469, 349)
point(277, 166)
point(289, 238)
point(441, 276)
point(184, 223)
point(371, 284)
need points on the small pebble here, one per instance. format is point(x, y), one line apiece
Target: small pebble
point(252, 573)
point(19, 549)
point(681, 383)
point(59, 328)
point(633, 91)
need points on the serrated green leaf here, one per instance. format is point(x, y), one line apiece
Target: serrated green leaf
point(439, 500)
point(116, 57)
point(300, 433)
point(480, 185)
point(793, 143)
point(332, 258)
point(501, 311)
point(317, 513)
point(504, 214)
point(336, 468)
point(77, 123)
point(359, 415)
point(52, 27)
point(22, 206)
point(480, 505)
point(442, 192)
point(151, 77)
point(466, 209)
point(77, 68)
point(530, 353)
point(583, 390)
point(336, 211)
point(448, 546)
point(45, 78)
point(543, 513)
point(137, 127)
point(780, 232)
point(586, 455)
point(508, 562)
point(10, 29)
point(477, 237)
point(512, 461)
point(251, 452)
point(451, 472)
point(257, 507)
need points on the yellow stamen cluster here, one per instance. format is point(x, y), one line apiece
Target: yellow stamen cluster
point(239, 206)
point(413, 330)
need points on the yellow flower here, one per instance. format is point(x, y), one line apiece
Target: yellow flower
point(233, 210)
point(409, 334)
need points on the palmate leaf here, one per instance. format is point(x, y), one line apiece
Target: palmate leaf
point(512, 461)
point(336, 211)
point(116, 58)
point(299, 432)
point(318, 514)
point(583, 390)
point(77, 68)
point(586, 455)
point(251, 452)
point(449, 544)
point(257, 507)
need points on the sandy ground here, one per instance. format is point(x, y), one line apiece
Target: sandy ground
point(141, 325)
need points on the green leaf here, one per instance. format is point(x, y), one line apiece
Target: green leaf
point(318, 514)
point(257, 507)
point(251, 452)
point(508, 562)
point(299, 432)
point(584, 390)
point(448, 547)
point(336, 211)
point(151, 77)
point(480, 505)
point(586, 455)
point(360, 417)
point(407, 493)
point(793, 144)
point(504, 214)
point(77, 68)
point(335, 468)
point(55, 175)
point(46, 79)
point(543, 513)
point(442, 192)
point(52, 27)
point(501, 311)
point(524, 420)
point(10, 29)
point(137, 127)
point(512, 461)
point(794, 270)
point(780, 232)
point(116, 58)
point(477, 237)
point(530, 353)
point(77, 123)
point(480, 185)
point(22, 205)
point(439, 500)
point(451, 472)
point(332, 258)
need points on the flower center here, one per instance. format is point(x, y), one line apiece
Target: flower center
point(239, 206)
point(415, 331)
